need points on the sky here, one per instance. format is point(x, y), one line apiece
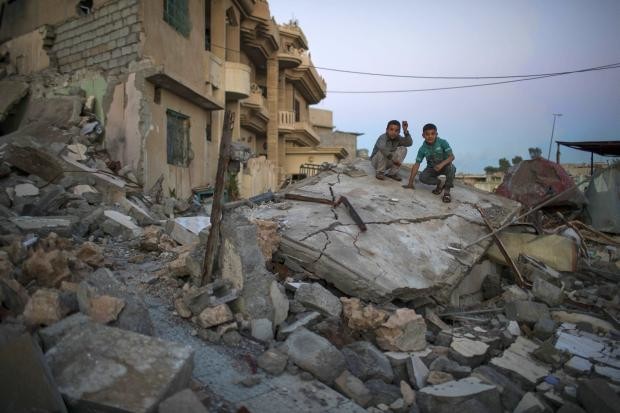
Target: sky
point(469, 38)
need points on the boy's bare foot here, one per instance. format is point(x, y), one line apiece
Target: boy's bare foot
point(380, 176)
point(446, 196)
point(395, 177)
point(409, 186)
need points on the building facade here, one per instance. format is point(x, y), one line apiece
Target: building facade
point(163, 72)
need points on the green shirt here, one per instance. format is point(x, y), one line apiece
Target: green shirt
point(435, 153)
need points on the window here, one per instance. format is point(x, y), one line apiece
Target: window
point(208, 133)
point(297, 110)
point(176, 14)
point(207, 24)
point(177, 138)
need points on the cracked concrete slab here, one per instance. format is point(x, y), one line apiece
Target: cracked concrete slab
point(404, 253)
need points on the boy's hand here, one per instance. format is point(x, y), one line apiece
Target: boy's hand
point(438, 167)
point(397, 163)
point(405, 126)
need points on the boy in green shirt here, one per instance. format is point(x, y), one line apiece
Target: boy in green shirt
point(439, 158)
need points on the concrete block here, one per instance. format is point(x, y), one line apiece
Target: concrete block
point(526, 311)
point(353, 388)
point(118, 224)
point(26, 383)
point(51, 335)
point(262, 329)
point(315, 354)
point(184, 401)
point(315, 296)
point(447, 397)
point(100, 368)
point(185, 230)
point(366, 362)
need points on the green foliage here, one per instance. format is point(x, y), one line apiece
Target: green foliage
point(535, 152)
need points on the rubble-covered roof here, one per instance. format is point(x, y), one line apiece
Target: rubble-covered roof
point(404, 253)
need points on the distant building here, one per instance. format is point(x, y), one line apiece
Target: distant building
point(486, 182)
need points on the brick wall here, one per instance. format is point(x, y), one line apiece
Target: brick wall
point(108, 38)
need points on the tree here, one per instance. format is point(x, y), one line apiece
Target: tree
point(491, 169)
point(516, 160)
point(535, 152)
point(504, 164)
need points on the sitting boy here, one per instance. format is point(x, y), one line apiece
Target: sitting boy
point(390, 150)
point(439, 158)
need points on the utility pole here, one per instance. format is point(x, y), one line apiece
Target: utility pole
point(555, 116)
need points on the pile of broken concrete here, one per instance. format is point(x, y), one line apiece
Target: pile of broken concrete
point(397, 316)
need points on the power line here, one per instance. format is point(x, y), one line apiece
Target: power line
point(616, 66)
point(521, 78)
point(462, 77)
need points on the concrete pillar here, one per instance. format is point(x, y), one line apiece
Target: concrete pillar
point(272, 106)
point(218, 28)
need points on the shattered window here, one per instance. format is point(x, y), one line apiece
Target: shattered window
point(177, 138)
point(176, 14)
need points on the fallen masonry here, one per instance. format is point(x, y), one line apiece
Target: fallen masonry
point(305, 310)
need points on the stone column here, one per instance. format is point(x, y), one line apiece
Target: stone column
point(272, 107)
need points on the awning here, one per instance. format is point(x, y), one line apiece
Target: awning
point(603, 148)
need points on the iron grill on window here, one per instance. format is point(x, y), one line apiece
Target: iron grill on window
point(177, 138)
point(176, 14)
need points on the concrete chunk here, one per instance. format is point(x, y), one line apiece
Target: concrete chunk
point(510, 392)
point(184, 401)
point(353, 388)
point(547, 292)
point(519, 365)
point(526, 311)
point(417, 371)
point(403, 331)
point(596, 396)
point(306, 320)
point(119, 224)
point(366, 362)
point(316, 297)
point(530, 403)
point(447, 397)
point(53, 334)
point(315, 354)
point(469, 352)
point(185, 230)
point(102, 368)
point(61, 225)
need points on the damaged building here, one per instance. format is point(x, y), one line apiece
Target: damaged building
point(162, 73)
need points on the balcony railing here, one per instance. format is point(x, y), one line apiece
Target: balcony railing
point(304, 130)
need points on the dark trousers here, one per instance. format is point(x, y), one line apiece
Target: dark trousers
point(429, 175)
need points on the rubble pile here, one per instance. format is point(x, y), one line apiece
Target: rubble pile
point(401, 314)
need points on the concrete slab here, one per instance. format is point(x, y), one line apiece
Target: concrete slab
point(123, 225)
point(61, 225)
point(518, 364)
point(99, 368)
point(404, 253)
point(185, 230)
point(588, 346)
point(447, 397)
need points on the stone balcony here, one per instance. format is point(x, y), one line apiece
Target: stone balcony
point(290, 57)
point(300, 132)
point(237, 80)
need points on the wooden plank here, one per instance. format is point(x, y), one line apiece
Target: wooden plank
point(213, 240)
